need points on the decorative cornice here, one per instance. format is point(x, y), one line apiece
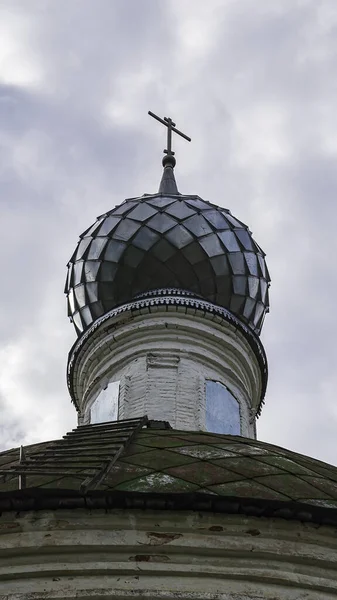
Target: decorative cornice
point(42, 499)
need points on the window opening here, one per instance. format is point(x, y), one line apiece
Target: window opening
point(105, 407)
point(222, 409)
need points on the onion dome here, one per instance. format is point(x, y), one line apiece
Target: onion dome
point(167, 240)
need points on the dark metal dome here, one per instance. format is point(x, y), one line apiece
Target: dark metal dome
point(167, 240)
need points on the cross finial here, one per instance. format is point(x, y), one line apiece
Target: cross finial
point(169, 159)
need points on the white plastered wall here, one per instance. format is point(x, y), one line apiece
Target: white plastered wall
point(162, 361)
point(163, 555)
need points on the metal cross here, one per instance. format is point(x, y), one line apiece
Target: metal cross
point(170, 127)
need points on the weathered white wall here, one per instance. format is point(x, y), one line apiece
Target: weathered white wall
point(162, 361)
point(148, 555)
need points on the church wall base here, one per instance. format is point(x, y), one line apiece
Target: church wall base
point(148, 555)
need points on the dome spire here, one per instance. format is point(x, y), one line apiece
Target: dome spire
point(168, 183)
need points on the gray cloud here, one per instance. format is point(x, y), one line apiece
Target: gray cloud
point(254, 86)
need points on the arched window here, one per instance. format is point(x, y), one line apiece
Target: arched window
point(105, 407)
point(222, 409)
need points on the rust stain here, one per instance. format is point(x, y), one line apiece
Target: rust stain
point(216, 528)
point(253, 531)
point(5, 526)
point(159, 539)
point(149, 558)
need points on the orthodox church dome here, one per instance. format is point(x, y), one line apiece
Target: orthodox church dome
point(174, 496)
point(167, 240)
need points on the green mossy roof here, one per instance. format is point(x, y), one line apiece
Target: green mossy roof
point(171, 461)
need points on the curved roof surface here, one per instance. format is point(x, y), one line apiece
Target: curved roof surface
point(167, 240)
point(168, 461)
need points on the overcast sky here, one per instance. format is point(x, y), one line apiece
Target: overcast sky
point(254, 83)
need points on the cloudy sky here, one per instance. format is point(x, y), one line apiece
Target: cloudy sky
point(254, 83)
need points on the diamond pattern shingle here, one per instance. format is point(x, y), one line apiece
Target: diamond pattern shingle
point(172, 461)
point(197, 231)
